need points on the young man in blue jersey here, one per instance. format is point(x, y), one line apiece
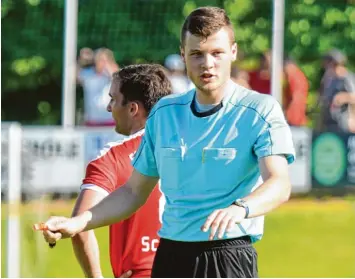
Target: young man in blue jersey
point(221, 152)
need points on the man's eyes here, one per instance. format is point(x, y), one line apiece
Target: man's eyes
point(215, 53)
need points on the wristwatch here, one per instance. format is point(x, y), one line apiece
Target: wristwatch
point(242, 203)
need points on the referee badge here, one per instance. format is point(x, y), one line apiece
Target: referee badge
point(226, 154)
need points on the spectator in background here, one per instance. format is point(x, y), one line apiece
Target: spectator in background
point(337, 94)
point(85, 59)
point(295, 88)
point(96, 81)
point(85, 64)
point(260, 79)
point(294, 100)
point(178, 78)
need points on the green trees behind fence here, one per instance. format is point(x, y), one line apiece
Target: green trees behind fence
point(148, 30)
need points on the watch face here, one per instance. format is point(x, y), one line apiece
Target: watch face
point(240, 203)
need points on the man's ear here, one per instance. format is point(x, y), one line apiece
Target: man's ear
point(234, 51)
point(182, 53)
point(134, 108)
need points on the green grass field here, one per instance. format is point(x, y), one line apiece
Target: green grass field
point(303, 238)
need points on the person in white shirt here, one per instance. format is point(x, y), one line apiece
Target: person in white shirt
point(96, 82)
point(179, 81)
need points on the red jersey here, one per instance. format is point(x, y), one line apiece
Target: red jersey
point(294, 95)
point(260, 82)
point(133, 242)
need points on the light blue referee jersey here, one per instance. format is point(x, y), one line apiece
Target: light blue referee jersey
point(207, 160)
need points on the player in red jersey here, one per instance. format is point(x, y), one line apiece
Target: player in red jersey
point(133, 242)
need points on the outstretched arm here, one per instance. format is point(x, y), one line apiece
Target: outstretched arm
point(122, 203)
point(117, 206)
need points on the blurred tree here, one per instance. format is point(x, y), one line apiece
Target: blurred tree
point(149, 30)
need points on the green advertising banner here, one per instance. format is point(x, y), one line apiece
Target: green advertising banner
point(333, 160)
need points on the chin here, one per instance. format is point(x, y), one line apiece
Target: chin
point(119, 131)
point(124, 133)
point(210, 87)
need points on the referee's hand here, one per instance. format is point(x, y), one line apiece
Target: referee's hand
point(61, 227)
point(222, 220)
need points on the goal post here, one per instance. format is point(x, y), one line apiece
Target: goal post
point(14, 137)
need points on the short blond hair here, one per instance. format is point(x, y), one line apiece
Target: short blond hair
point(104, 52)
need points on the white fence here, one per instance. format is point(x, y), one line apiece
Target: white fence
point(53, 159)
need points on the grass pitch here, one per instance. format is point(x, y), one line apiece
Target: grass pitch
point(303, 238)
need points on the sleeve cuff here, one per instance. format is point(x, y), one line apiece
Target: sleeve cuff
point(95, 188)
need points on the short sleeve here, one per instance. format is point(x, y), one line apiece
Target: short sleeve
point(102, 171)
point(275, 136)
point(144, 159)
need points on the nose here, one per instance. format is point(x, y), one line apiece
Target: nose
point(108, 108)
point(208, 61)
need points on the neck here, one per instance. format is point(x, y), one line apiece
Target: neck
point(211, 97)
point(137, 126)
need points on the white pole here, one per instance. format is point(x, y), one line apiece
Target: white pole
point(69, 67)
point(14, 197)
point(277, 49)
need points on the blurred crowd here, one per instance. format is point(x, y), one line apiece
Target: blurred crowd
point(336, 94)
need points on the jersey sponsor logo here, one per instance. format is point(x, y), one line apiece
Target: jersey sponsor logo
point(149, 245)
point(228, 154)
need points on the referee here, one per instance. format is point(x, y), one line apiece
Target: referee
point(221, 152)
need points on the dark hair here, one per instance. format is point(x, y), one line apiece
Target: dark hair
point(144, 83)
point(336, 56)
point(206, 21)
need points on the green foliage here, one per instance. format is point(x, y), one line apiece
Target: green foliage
point(149, 30)
point(32, 44)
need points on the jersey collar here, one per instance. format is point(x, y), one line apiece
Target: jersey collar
point(228, 93)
